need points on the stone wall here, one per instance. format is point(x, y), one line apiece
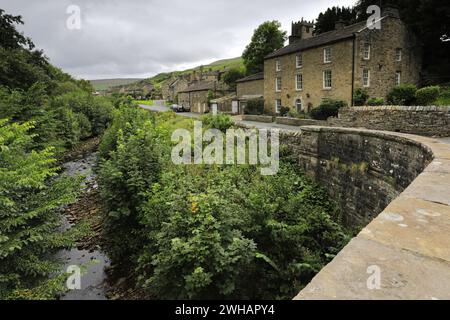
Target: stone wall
point(299, 122)
point(399, 184)
point(362, 170)
point(425, 121)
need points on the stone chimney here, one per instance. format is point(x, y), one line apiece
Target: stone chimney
point(340, 24)
point(390, 10)
point(301, 30)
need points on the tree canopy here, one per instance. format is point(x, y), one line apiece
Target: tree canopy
point(267, 38)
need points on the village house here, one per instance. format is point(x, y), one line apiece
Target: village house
point(249, 88)
point(197, 96)
point(334, 64)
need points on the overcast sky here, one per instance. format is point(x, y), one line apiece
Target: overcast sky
point(140, 38)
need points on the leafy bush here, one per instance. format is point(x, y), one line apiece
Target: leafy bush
point(221, 122)
point(444, 98)
point(29, 204)
point(207, 231)
point(284, 111)
point(375, 102)
point(428, 95)
point(404, 94)
point(360, 97)
point(328, 108)
point(131, 163)
point(254, 106)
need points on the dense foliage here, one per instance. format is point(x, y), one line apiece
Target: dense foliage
point(328, 108)
point(402, 95)
point(427, 95)
point(326, 20)
point(28, 224)
point(31, 89)
point(207, 231)
point(266, 39)
point(43, 111)
point(360, 97)
point(231, 76)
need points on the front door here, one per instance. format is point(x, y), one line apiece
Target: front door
point(234, 107)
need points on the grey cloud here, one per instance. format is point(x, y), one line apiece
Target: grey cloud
point(139, 38)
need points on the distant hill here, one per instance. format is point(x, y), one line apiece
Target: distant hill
point(158, 80)
point(105, 84)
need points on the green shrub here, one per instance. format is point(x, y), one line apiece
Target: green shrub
point(375, 101)
point(403, 95)
point(360, 97)
point(428, 95)
point(132, 161)
point(444, 98)
point(221, 122)
point(328, 108)
point(210, 232)
point(284, 111)
point(254, 106)
point(30, 220)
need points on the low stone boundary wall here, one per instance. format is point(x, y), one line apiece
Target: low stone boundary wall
point(403, 253)
point(425, 121)
point(251, 117)
point(299, 122)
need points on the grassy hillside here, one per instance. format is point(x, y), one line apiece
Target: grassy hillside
point(105, 84)
point(160, 78)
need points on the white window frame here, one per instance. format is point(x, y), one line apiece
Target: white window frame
point(278, 89)
point(299, 61)
point(297, 87)
point(398, 54)
point(366, 85)
point(366, 51)
point(398, 78)
point(277, 107)
point(278, 65)
point(325, 87)
point(327, 53)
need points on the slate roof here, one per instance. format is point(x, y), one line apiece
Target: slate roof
point(253, 77)
point(200, 86)
point(320, 40)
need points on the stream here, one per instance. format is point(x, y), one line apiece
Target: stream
point(92, 262)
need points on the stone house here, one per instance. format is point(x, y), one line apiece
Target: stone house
point(195, 96)
point(334, 64)
point(174, 87)
point(248, 88)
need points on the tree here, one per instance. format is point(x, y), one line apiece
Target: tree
point(326, 20)
point(231, 76)
point(266, 39)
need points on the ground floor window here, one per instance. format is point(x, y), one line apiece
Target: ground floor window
point(398, 78)
point(327, 79)
point(366, 78)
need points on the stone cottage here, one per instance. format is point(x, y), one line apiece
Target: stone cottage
point(334, 64)
point(248, 88)
point(195, 96)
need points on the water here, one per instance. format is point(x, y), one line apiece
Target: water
point(93, 277)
